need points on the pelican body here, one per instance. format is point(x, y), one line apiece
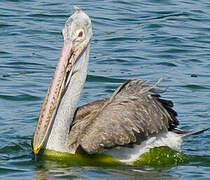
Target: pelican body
point(134, 117)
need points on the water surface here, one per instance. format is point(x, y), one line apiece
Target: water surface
point(145, 39)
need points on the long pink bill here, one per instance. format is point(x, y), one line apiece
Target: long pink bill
point(52, 98)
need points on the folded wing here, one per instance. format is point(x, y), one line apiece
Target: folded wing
point(130, 116)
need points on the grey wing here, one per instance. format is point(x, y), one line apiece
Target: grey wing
point(82, 117)
point(85, 112)
point(130, 116)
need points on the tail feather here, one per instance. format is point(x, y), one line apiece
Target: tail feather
point(185, 134)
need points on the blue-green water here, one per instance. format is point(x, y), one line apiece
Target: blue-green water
point(145, 39)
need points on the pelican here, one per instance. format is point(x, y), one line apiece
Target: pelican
point(133, 118)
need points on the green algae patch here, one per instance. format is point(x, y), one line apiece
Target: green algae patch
point(96, 160)
point(160, 157)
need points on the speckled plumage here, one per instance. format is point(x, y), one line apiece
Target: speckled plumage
point(134, 113)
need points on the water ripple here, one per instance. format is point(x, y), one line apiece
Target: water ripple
point(167, 64)
point(92, 78)
point(23, 97)
point(195, 87)
point(133, 39)
point(44, 16)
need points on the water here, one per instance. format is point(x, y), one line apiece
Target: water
point(145, 39)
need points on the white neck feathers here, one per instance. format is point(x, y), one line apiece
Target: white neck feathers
point(58, 138)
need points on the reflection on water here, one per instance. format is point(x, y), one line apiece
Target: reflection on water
point(96, 173)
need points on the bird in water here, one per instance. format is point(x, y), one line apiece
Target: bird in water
point(134, 119)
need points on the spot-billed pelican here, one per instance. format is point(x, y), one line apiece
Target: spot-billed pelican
point(133, 118)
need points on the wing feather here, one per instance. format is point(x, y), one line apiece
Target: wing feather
point(131, 115)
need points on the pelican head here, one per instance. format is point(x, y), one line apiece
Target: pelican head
point(77, 34)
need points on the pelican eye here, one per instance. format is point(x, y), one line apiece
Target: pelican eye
point(80, 34)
